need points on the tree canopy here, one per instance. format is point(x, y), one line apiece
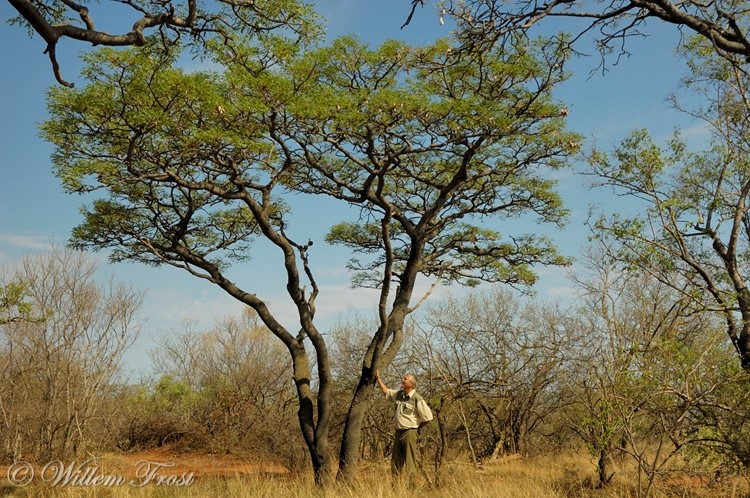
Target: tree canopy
point(173, 21)
point(723, 24)
point(433, 148)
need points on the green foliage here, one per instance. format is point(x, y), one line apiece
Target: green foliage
point(601, 430)
point(437, 144)
point(162, 122)
point(188, 162)
point(160, 414)
point(13, 306)
point(169, 393)
point(688, 226)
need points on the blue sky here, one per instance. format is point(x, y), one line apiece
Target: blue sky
point(34, 212)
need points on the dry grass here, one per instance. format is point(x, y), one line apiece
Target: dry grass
point(566, 475)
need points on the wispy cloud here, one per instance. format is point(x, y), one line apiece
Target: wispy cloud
point(697, 136)
point(555, 282)
point(168, 308)
point(29, 241)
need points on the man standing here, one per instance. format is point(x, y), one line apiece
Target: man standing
point(411, 412)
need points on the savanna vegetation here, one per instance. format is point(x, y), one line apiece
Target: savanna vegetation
point(429, 152)
point(624, 394)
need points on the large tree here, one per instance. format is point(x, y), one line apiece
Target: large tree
point(723, 23)
point(433, 147)
point(54, 20)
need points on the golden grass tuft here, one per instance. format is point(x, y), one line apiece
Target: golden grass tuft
point(566, 475)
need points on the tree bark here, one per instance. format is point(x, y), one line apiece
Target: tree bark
point(743, 344)
point(352, 437)
point(603, 466)
point(378, 356)
point(315, 435)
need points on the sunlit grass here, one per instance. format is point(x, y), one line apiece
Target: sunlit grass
point(565, 475)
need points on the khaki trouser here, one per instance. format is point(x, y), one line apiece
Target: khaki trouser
point(404, 454)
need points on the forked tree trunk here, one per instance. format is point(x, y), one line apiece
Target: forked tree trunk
point(352, 437)
point(378, 356)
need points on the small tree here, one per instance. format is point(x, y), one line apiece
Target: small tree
point(59, 370)
point(494, 362)
point(647, 377)
point(693, 230)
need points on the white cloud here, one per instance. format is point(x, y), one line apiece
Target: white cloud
point(168, 308)
point(336, 272)
point(697, 136)
point(555, 282)
point(28, 241)
point(562, 293)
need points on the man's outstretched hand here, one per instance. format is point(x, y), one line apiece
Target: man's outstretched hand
point(380, 383)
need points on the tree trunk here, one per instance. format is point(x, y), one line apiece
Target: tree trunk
point(743, 347)
point(603, 467)
point(316, 435)
point(378, 356)
point(322, 468)
point(352, 437)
